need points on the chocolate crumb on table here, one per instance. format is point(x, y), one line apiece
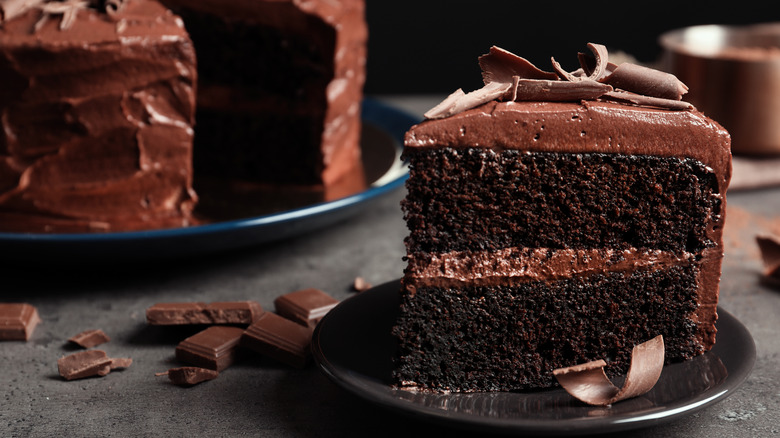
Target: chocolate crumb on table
point(769, 245)
point(214, 348)
point(306, 306)
point(90, 338)
point(361, 285)
point(188, 376)
point(17, 321)
point(279, 338)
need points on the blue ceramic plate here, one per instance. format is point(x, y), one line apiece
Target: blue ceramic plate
point(352, 345)
point(382, 137)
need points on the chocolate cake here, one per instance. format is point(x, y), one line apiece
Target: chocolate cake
point(97, 109)
point(280, 85)
point(556, 219)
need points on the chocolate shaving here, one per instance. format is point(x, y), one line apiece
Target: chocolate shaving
point(10, 9)
point(508, 77)
point(500, 65)
point(558, 91)
point(769, 245)
point(459, 101)
point(588, 383)
point(647, 81)
point(642, 100)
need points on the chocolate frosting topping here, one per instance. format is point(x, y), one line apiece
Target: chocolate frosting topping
point(508, 77)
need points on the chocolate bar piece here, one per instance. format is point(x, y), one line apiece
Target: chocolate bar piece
point(306, 306)
point(279, 338)
point(84, 364)
point(214, 348)
point(188, 376)
point(227, 312)
point(17, 321)
point(90, 338)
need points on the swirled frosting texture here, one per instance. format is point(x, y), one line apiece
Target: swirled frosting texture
point(97, 121)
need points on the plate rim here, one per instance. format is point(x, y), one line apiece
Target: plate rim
point(578, 426)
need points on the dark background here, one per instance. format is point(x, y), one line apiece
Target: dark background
point(423, 46)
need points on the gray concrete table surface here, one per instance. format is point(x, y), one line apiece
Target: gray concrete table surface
point(259, 397)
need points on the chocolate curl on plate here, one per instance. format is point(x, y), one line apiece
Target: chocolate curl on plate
point(646, 81)
point(769, 245)
point(588, 383)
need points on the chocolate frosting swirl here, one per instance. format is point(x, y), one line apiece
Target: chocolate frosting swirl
point(508, 77)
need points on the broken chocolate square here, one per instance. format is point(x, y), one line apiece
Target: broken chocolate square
point(306, 306)
point(279, 338)
point(17, 321)
point(214, 348)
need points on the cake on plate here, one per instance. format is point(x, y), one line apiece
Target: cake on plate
point(557, 218)
point(97, 109)
point(100, 110)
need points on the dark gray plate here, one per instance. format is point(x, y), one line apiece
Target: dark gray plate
point(352, 345)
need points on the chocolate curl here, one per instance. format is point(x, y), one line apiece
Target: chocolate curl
point(769, 245)
point(646, 81)
point(500, 65)
point(591, 68)
point(459, 101)
point(557, 91)
point(588, 383)
point(14, 8)
point(113, 7)
point(642, 100)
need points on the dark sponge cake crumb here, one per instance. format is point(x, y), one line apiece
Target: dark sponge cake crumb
point(501, 338)
point(478, 199)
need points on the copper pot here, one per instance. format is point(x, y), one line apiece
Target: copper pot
point(733, 73)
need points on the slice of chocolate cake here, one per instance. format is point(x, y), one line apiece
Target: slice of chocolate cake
point(555, 219)
point(97, 107)
point(280, 86)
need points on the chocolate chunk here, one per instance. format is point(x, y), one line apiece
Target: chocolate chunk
point(214, 348)
point(84, 364)
point(279, 338)
point(227, 312)
point(90, 338)
point(17, 321)
point(769, 245)
point(188, 376)
point(306, 306)
point(120, 362)
point(588, 382)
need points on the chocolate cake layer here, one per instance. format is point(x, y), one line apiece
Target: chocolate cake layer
point(488, 338)
point(479, 200)
point(97, 118)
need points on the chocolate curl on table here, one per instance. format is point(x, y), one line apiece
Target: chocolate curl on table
point(769, 245)
point(588, 383)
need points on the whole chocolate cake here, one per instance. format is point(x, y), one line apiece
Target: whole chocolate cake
point(555, 219)
point(97, 108)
